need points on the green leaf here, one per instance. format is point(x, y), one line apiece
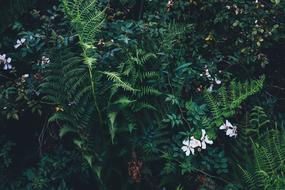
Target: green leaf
point(112, 116)
point(64, 130)
point(98, 172)
point(124, 101)
point(89, 159)
point(78, 142)
point(276, 2)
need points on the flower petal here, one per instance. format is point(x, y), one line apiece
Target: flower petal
point(207, 140)
point(210, 89)
point(203, 145)
point(16, 46)
point(187, 152)
point(222, 127)
point(9, 60)
point(184, 148)
point(229, 132)
point(192, 151)
point(218, 81)
point(186, 142)
point(228, 124)
point(203, 133)
point(194, 142)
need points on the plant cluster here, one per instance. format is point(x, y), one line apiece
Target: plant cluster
point(150, 94)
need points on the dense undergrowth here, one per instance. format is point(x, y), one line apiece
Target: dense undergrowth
point(149, 94)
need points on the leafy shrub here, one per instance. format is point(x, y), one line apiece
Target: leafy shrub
point(142, 94)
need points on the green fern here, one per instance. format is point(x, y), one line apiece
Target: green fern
point(137, 71)
point(86, 20)
point(136, 79)
point(225, 104)
point(118, 82)
point(241, 150)
point(67, 87)
point(258, 120)
point(269, 154)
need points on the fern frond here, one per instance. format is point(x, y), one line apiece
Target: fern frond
point(85, 18)
point(269, 162)
point(223, 96)
point(118, 82)
point(227, 101)
point(258, 118)
point(213, 104)
point(148, 90)
point(240, 91)
point(249, 179)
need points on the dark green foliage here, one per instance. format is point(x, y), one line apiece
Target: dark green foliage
point(120, 97)
point(11, 10)
point(215, 161)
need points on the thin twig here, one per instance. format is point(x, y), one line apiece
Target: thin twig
point(278, 87)
point(41, 137)
point(179, 107)
point(212, 176)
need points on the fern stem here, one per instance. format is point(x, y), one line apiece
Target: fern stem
point(88, 48)
point(94, 94)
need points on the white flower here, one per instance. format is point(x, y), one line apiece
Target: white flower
point(187, 148)
point(190, 145)
point(3, 58)
point(25, 75)
point(205, 139)
point(207, 73)
point(194, 142)
point(218, 81)
point(231, 130)
point(228, 7)
point(45, 60)
point(7, 65)
point(6, 62)
point(19, 42)
point(210, 89)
